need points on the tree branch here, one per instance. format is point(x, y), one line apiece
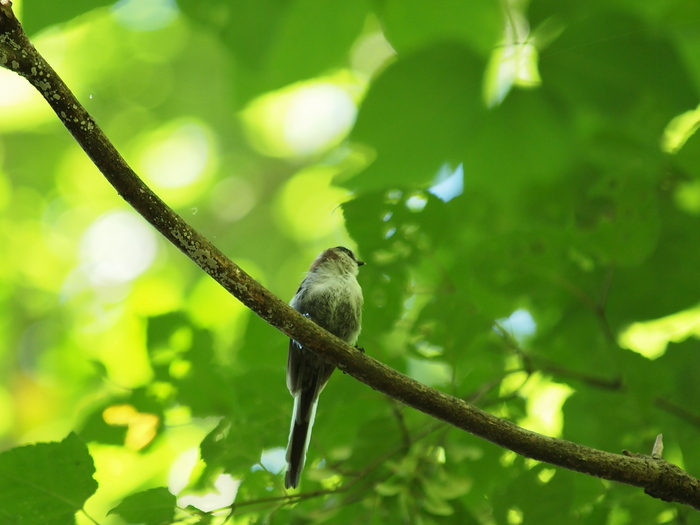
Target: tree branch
point(659, 478)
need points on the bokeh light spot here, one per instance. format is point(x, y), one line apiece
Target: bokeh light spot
point(176, 155)
point(232, 199)
point(309, 204)
point(117, 248)
point(145, 16)
point(303, 119)
point(651, 338)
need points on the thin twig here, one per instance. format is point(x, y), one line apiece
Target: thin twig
point(678, 410)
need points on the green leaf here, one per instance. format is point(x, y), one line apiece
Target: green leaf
point(279, 42)
point(524, 142)
point(150, 507)
point(95, 428)
point(232, 448)
point(418, 114)
point(411, 24)
point(615, 82)
point(39, 15)
point(446, 486)
point(688, 158)
point(45, 483)
point(437, 506)
point(388, 489)
point(183, 355)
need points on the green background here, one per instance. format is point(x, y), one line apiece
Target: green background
point(522, 180)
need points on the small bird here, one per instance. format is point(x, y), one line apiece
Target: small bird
point(331, 297)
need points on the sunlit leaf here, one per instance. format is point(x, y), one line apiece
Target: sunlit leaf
point(150, 507)
point(46, 482)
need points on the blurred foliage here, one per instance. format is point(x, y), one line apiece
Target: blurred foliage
point(522, 179)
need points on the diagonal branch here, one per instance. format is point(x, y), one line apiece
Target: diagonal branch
point(659, 478)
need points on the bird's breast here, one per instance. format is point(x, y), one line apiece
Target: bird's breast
point(335, 304)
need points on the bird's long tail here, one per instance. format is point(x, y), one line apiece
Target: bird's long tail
point(305, 404)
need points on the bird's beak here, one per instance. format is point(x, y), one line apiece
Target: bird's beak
point(360, 263)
